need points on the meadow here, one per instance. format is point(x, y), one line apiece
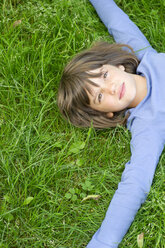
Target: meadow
point(47, 166)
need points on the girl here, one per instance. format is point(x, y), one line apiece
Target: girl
point(109, 85)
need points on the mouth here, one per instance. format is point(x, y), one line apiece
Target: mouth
point(122, 91)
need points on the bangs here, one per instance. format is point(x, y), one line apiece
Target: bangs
point(81, 85)
point(87, 80)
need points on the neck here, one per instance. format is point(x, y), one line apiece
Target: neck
point(141, 90)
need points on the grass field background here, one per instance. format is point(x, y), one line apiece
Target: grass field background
point(47, 166)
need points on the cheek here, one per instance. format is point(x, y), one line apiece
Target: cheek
point(133, 91)
point(109, 103)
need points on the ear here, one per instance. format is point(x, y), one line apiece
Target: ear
point(121, 67)
point(110, 114)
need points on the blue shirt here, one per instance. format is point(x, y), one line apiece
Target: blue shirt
point(146, 123)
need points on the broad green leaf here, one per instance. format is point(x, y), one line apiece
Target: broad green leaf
point(76, 147)
point(72, 191)
point(58, 144)
point(68, 195)
point(77, 191)
point(7, 198)
point(9, 217)
point(74, 197)
point(88, 184)
point(79, 162)
point(28, 200)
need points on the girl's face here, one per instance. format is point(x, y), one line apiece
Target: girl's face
point(116, 89)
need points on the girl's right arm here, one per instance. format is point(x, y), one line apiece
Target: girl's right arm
point(146, 147)
point(121, 27)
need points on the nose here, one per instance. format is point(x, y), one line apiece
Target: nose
point(110, 89)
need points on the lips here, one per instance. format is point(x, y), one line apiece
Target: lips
point(121, 91)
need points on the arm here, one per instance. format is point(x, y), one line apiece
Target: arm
point(132, 191)
point(121, 27)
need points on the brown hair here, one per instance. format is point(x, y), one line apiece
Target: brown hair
point(73, 100)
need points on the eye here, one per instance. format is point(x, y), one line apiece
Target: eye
point(105, 74)
point(99, 97)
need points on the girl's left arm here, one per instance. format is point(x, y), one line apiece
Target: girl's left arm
point(146, 147)
point(121, 27)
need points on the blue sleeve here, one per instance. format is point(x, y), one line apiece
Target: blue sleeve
point(121, 27)
point(132, 191)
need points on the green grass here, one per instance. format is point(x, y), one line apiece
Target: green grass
point(38, 149)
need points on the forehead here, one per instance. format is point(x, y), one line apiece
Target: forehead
point(100, 70)
point(95, 71)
